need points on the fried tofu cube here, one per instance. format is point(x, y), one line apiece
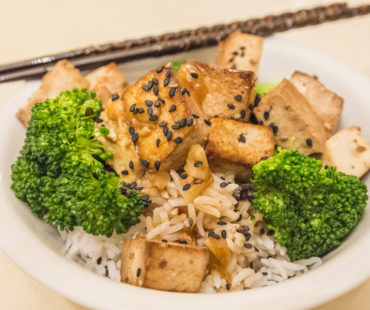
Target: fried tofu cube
point(64, 76)
point(326, 103)
point(240, 51)
point(160, 118)
point(106, 81)
point(125, 160)
point(164, 266)
point(238, 146)
point(218, 92)
point(290, 115)
point(349, 151)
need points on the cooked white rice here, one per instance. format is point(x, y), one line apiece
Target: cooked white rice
point(257, 260)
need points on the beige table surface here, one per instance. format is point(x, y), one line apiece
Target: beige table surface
point(37, 27)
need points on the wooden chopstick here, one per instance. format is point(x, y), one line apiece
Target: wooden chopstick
point(171, 43)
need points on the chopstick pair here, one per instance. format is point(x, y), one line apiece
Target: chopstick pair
point(172, 43)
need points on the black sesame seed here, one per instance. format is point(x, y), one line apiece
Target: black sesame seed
point(139, 188)
point(195, 116)
point(251, 106)
point(264, 273)
point(194, 75)
point(198, 163)
point(145, 87)
point(161, 100)
point(216, 116)
point(228, 286)
point(150, 111)
point(153, 118)
point(190, 222)
point(242, 138)
point(257, 100)
point(183, 176)
point(165, 131)
point(207, 122)
point(98, 119)
point(162, 124)
point(131, 164)
point(266, 115)
point(177, 140)
point(172, 91)
point(148, 103)
point(131, 130)
point(145, 162)
point(223, 233)
point(247, 236)
point(98, 261)
point(132, 107)
point(175, 126)
point(264, 158)
point(150, 84)
point(231, 106)
point(155, 81)
point(223, 184)
point(168, 73)
point(253, 119)
point(166, 81)
point(260, 122)
point(132, 185)
point(157, 164)
point(326, 167)
point(221, 223)
point(242, 113)
point(309, 142)
point(262, 231)
point(159, 69)
point(238, 97)
point(185, 91)
point(248, 245)
point(157, 104)
point(270, 232)
point(134, 137)
point(251, 265)
point(186, 187)
point(124, 172)
point(140, 110)
point(172, 108)
point(158, 142)
point(233, 67)
point(106, 271)
point(115, 97)
point(239, 218)
point(155, 90)
point(242, 54)
point(164, 241)
point(135, 112)
point(182, 122)
point(215, 236)
point(169, 135)
point(257, 250)
point(138, 272)
point(189, 122)
point(274, 128)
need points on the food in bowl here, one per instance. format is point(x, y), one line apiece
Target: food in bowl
point(187, 162)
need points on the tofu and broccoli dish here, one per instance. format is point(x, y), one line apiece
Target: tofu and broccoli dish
point(195, 178)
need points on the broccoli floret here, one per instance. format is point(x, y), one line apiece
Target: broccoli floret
point(61, 173)
point(310, 208)
point(175, 65)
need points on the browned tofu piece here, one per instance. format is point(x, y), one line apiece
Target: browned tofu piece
point(349, 151)
point(238, 146)
point(161, 121)
point(326, 103)
point(125, 159)
point(289, 114)
point(215, 91)
point(64, 76)
point(240, 51)
point(164, 266)
point(106, 81)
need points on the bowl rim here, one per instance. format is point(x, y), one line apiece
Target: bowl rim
point(96, 292)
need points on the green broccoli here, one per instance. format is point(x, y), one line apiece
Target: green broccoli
point(310, 208)
point(61, 171)
point(176, 64)
point(264, 88)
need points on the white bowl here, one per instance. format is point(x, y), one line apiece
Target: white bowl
point(36, 247)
